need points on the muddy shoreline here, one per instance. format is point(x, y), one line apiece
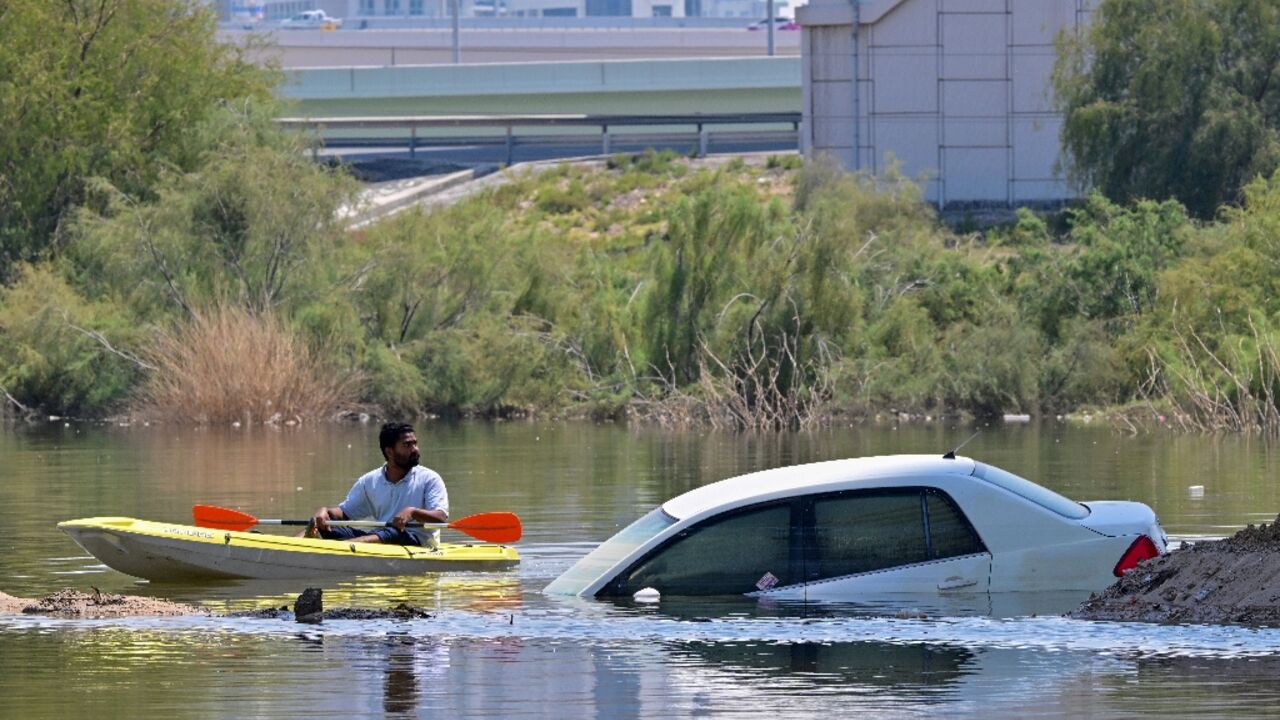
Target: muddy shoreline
point(75, 604)
point(69, 603)
point(1231, 581)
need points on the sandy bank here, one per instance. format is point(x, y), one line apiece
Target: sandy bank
point(1235, 580)
point(72, 603)
point(69, 603)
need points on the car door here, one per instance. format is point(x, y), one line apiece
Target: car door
point(889, 540)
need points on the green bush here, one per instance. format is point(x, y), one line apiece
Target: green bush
point(561, 200)
point(56, 348)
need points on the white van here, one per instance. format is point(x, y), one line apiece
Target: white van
point(312, 20)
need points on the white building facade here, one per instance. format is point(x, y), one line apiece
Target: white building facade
point(958, 91)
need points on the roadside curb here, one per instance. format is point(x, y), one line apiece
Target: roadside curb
point(378, 203)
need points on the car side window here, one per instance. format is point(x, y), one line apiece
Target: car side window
point(860, 532)
point(950, 533)
point(731, 554)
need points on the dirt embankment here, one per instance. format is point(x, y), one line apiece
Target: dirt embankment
point(72, 603)
point(1235, 580)
point(308, 608)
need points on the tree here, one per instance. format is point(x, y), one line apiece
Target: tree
point(1172, 98)
point(249, 228)
point(103, 88)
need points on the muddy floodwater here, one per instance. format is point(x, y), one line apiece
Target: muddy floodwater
point(495, 646)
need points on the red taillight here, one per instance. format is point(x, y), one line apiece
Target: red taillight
point(1141, 549)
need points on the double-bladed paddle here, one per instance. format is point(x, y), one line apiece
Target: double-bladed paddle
point(494, 527)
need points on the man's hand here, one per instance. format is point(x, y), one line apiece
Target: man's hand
point(320, 521)
point(404, 516)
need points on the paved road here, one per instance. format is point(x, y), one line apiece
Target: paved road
point(471, 155)
point(345, 48)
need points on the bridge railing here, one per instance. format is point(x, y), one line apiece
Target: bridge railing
point(513, 130)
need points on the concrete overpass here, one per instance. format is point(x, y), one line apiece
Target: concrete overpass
point(429, 46)
point(657, 87)
point(956, 90)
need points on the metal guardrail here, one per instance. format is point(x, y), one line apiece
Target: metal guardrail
point(507, 125)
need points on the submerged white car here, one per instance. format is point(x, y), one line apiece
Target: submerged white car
point(850, 529)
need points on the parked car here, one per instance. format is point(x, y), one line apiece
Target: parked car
point(247, 15)
point(780, 23)
point(313, 20)
point(854, 529)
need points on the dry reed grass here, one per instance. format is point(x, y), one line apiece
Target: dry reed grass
point(226, 365)
point(1230, 389)
point(747, 396)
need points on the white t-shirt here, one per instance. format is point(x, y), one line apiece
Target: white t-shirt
point(374, 496)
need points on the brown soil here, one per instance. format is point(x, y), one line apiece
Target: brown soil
point(69, 603)
point(1235, 580)
point(10, 605)
point(75, 604)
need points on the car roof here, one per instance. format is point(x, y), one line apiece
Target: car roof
point(813, 477)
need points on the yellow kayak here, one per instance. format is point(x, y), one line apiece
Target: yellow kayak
point(167, 552)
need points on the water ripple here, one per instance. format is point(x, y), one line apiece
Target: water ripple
point(607, 627)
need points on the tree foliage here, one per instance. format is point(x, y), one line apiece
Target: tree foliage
point(111, 89)
point(248, 227)
point(1172, 98)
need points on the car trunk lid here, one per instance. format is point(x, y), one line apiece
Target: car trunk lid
point(1118, 518)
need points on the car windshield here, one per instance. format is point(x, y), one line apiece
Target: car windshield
point(1042, 496)
point(587, 570)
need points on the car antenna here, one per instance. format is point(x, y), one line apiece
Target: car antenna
point(951, 454)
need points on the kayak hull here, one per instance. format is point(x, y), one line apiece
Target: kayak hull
point(169, 552)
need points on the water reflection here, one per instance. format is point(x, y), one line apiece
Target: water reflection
point(405, 657)
point(919, 668)
point(890, 605)
point(475, 592)
point(611, 661)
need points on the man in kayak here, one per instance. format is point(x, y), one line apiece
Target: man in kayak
point(399, 492)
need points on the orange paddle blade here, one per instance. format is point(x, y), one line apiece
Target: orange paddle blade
point(494, 527)
point(212, 516)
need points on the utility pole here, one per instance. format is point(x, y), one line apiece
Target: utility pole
point(769, 6)
point(455, 8)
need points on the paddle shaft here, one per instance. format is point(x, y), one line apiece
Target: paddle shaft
point(497, 527)
point(352, 523)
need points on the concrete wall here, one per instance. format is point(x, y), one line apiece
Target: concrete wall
point(759, 84)
point(517, 79)
point(353, 47)
point(956, 90)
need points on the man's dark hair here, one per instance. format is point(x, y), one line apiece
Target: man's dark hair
point(390, 434)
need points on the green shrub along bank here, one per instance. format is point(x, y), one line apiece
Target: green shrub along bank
point(166, 251)
point(743, 296)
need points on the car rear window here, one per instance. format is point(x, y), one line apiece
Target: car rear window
point(1042, 496)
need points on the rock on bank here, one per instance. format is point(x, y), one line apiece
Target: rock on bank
point(1235, 580)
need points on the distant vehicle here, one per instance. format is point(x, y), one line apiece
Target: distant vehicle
point(312, 20)
point(248, 14)
point(850, 530)
point(779, 23)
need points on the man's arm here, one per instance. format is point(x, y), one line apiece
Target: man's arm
point(413, 514)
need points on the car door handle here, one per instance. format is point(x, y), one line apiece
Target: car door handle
point(955, 582)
